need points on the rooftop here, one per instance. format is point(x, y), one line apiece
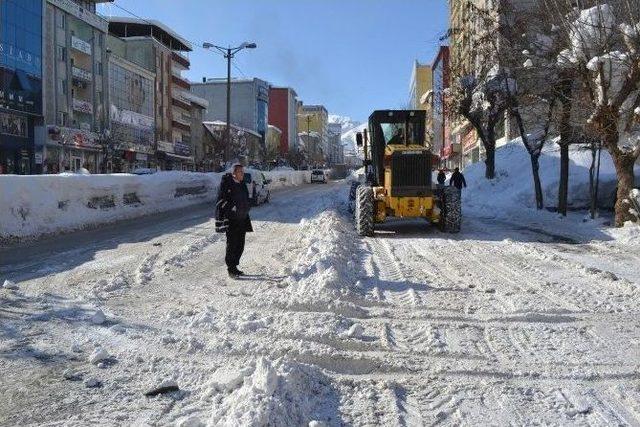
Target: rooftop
point(133, 27)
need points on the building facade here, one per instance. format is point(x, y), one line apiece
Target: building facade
point(249, 103)
point(158, 49)
point(315, 118)
point(420, 85)
point(283, 114)
point(21, 110)
point(76, 87)
point(441, 116)
point(335, 143)
point(131, 143)
point(202, 153)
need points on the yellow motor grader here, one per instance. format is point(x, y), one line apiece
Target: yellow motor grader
point(398, 175)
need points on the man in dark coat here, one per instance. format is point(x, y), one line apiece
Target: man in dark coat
point(233, 210)
point(441, 177)
point(457, 179)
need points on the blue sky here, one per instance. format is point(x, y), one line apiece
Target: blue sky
point(353, 56)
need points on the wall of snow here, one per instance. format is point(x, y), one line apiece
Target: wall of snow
point(513, 185)
point(285, 178)
point(44, 204)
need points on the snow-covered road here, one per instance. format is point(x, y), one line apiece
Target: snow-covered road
point(505, 323)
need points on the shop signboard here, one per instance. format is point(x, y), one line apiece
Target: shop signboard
point(131, 118)
point(82, 106)
point(167, 147)
point(182, 149)
point(80, 45)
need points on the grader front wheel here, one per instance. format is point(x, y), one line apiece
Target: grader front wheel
point(364, 211)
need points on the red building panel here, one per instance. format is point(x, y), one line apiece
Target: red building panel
point(279, 115)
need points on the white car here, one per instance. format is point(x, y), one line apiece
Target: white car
point(318, 175)
point(258, 186)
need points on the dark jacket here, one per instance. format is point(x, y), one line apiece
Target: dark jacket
point(233, 204)
point(441, 178)
point(458, 181)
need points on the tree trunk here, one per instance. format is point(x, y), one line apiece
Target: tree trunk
point(563, 185)
point(624, 170)
point(535, 169)
point(592, 182)
point(490, 162)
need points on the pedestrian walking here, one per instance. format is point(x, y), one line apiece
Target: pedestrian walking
point(457, 179)
point(232, 217)
point(442, 178)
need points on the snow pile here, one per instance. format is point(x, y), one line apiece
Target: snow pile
point(41, 204)
point(325, 275)
point(284, 178)
point(280, 393)
point(34, 205)
point(513, 185)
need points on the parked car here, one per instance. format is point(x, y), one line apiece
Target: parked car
point(258, 186)
point(318, 175)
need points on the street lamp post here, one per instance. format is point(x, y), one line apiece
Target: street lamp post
point(229, 53)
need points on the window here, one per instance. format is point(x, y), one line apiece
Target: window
point(63, 87)
point(62, 53)
point(62, 119)
point(99, 68)
point(62, 21)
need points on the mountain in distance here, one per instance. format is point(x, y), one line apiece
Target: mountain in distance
point(349, 130)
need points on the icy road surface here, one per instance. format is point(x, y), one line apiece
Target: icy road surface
point(504, 324)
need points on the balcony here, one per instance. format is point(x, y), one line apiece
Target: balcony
point(181, 82)
point(82, 106)
point(81, 45)
point(81, 74)
point(180, 59)
point(180, 102)
point(181, 124)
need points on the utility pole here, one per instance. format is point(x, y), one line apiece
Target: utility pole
point(229, 53)
point(227, 131)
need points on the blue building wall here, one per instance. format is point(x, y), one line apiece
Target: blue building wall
point(20, 83)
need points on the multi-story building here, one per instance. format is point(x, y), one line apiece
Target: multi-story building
point(249, 102)
point(20, 86)
point(465, 25)
point(335, 142)
point(421, 84)
point(202, 152)
point(315, 118)
point(155, 47)
point(247, 146)
point(273, 145)
point(76, 87)
point(283, 114)
point(131, 143)
point(448, 151)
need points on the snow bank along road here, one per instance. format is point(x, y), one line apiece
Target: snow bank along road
point(503, 324)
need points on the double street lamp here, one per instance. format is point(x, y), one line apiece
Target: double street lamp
point(229, 53)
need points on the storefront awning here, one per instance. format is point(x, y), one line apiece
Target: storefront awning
point(179, 157)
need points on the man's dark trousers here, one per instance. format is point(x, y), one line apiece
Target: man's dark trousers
point(235, 243)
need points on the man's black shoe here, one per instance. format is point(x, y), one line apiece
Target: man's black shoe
point(239, 272)
point(233, 274)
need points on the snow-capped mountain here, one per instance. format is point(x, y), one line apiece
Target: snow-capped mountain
point(349, 130)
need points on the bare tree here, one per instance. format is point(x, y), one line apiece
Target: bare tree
point(602, 51)
point(477, 91)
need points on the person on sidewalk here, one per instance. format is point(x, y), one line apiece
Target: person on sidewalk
point(442, 178)
point(457, 179)
point(232, 216)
